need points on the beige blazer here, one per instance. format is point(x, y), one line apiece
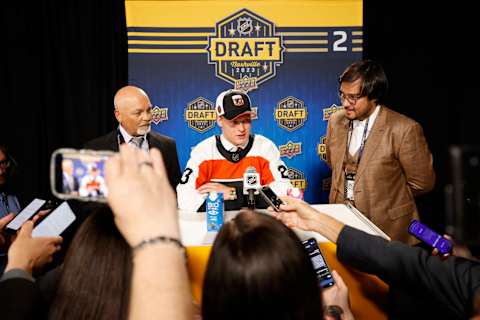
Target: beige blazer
point(396, 166)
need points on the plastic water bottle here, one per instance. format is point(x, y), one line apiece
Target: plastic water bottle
point(214, 211)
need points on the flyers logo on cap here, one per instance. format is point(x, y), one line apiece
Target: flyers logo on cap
point(238, 100)
point(159, 114)
point(245, 50)
point(290, 113)
point(200, 115)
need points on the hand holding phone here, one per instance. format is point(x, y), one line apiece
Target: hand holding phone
point(79, 174)
point(430, 237)
point(271, 198)
point(27, 213)
point(319, 263)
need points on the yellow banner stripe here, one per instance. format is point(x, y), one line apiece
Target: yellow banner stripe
point(283, 13)
point(137, 50)
point(357, 49)
point(357, 33)
point(306, 50)
point(357, 41)
point(303, 34)
point(305, 42)
point(167, 42)
point(170, 34)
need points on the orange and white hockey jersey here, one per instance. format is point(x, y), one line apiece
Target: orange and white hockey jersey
point(211, 162)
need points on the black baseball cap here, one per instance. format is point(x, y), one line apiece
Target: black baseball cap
point(232, 104)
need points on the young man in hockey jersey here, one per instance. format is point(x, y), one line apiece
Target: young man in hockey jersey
point(218, 163)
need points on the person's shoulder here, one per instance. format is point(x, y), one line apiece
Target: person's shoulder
point(397, 119)
point(105, 142)
point(206, 143)
point(161, 137)
point(337, 116)
point(262, 139)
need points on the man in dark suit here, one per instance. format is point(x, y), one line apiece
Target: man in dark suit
point(134, 115)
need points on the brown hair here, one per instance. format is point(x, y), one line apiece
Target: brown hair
point(258, 268)
point(96, 277)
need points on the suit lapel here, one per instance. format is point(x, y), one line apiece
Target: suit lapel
point(373, 141)
point(342, 137)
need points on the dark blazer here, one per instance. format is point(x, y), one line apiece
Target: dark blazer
point(166, 145)
point(449, 286)
point(395, 167)
point(21, 299)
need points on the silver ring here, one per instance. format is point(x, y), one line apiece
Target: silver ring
point(146, 163)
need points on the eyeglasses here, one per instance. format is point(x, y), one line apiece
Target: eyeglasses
point(4, 164)
point(351, 98)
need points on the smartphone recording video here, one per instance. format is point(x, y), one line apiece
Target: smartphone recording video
point(271, 198)
point(320, 266)
point(79, 174)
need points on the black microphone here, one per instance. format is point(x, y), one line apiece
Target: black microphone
point(251, 184)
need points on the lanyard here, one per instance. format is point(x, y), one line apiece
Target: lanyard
point(364, 139)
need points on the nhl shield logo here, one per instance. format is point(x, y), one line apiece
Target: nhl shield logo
point(252, 180)
point(291, 113)
point(245, 50)
point(200, 114)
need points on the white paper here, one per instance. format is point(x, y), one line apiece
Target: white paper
point(25, 214)
point(55, 223)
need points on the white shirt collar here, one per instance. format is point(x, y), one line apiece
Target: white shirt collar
point(230, 146)
point(372, 117)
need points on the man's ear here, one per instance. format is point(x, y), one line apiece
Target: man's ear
point(118, 115)
point(219, 121)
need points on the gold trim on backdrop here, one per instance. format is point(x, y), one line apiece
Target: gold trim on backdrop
point(207, 13)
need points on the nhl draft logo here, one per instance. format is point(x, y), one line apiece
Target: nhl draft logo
point(291, 113)
point(159, 114)
point(297, 178)
point(322, 148)
point(245, 50)
point(327, 112)
point(200, 114)
point(291, 149)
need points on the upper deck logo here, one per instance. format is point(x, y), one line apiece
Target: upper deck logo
point(327, 112)
point(159, 114)
point(245, 50)
point(200, 114)
point(290, 150)
point(291, 113)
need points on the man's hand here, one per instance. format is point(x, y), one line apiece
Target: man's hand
point(29, 253)
point(140, 195)
point(218, 187)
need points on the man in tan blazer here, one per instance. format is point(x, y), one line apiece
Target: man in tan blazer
point(379, 158)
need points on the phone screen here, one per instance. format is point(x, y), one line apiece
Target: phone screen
point(271, 198)
point(427, 235)
point(324, 276)
point(79, 174)
point(55, 223)
point(28, 212)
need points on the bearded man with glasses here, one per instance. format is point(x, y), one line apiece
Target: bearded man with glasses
point(379, 158)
